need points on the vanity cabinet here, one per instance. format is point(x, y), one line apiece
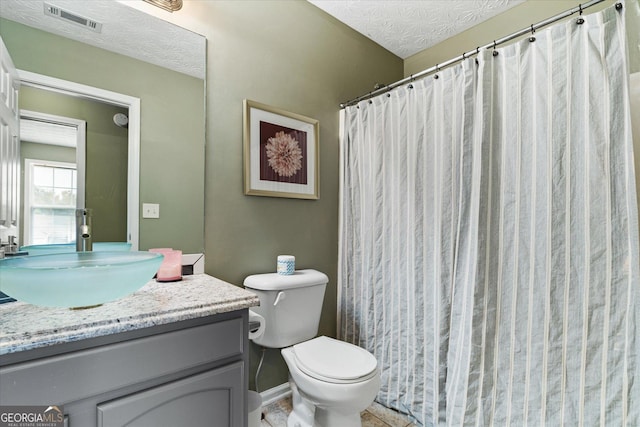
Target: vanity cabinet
point(189, 373)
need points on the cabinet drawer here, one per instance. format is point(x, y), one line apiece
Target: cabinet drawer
point(70, 377)
point(213, 398)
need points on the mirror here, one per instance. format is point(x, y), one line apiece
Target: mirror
point(82, 69)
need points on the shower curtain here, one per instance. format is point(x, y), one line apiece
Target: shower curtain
point(489, 235)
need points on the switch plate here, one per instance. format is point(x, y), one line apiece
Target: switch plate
point(150, 210)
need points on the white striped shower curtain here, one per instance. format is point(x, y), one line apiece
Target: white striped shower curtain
point(489, 236)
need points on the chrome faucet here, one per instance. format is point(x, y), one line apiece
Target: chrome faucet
point(10, 247)
point(84, 242)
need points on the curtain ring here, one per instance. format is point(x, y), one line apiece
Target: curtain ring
point(532, 38)
point(618, 6)
point(580, 20)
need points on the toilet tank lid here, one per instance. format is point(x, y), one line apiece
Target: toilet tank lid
point(276, 282)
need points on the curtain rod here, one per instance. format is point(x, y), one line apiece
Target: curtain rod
point(378, 91)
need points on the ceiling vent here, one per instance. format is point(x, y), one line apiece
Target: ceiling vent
point(68, 16)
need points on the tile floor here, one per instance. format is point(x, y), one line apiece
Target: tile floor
point(275, 415)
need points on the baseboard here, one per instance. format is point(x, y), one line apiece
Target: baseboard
point(276, 393)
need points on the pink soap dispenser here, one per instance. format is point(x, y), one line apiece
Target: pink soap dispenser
point(171, 268)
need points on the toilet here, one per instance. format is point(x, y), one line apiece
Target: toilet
point(331, 381)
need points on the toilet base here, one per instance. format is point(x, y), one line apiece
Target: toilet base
point(303, 411)
point(306, 414)
point(326, 418)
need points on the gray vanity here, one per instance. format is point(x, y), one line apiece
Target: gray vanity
point(171, 354)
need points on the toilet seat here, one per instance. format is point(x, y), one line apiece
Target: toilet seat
point(334, 361)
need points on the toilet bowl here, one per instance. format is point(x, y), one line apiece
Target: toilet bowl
point(332, 382)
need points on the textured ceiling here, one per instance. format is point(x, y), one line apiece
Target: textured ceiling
point(125, 30)
point(406, 27)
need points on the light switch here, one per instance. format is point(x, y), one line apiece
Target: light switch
point(150, 210)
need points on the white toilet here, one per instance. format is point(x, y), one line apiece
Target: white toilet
point(332, 381)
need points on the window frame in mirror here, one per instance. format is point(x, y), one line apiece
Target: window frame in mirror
point(41, 81)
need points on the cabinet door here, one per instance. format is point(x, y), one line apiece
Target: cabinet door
point(211, 399)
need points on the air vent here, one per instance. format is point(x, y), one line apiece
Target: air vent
point(68, 16)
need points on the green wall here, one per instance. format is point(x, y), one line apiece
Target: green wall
point(106, 157)
point(172, 125)
point(290, 55)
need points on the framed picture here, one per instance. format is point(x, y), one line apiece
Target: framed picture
point(281, 156)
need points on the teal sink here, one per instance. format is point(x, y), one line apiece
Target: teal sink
point(78, 279)
point(71, 247)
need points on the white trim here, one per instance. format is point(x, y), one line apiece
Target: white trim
point(275, 394)
point(81, 150)
point(28, 78)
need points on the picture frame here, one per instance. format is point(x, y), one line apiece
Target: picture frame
point(281, 153)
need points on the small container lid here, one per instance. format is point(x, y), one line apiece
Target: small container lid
point(276, 282)
point(332, 360)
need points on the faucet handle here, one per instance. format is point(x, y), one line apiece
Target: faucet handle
point(10, 246)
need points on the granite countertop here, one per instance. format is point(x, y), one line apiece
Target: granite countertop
point(24, 326)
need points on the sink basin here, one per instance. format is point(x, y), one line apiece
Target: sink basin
point(77, 279)
point(71, 247)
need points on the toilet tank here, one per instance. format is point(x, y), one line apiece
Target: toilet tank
point(290, 305)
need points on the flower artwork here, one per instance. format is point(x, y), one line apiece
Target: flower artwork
point(284, 154)
point(280, 153)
